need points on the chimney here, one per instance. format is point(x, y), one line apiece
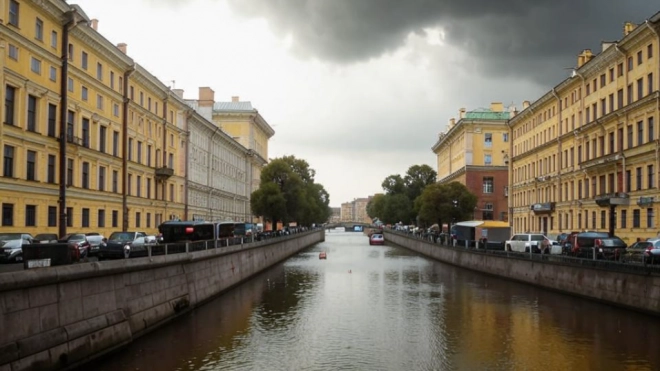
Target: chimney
point(206, 97)
point(584, 57)
point(525, 104)
point(94, 23)
point(122, 47)
point(628, 27)
point(606, 44)
point(178, 92)
point(452, 122)
point(235, 99)
point(497, 107)
point(461, 113)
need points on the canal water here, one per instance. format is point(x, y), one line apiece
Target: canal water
point(386, 308)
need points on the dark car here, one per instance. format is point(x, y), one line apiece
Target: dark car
point(11, 246)
point(124, 245)
point(95, 241)
point(45, 238)
point(598, 244)
point(78, 241)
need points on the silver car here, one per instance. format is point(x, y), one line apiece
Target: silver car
point(652, 252)
point(11, 246)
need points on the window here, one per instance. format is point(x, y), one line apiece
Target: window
point(53, 39)
point(85, 132)
point(171, 161)
point(649, 51)
point(651, 177)
point(115, 181)
point(30, 215)
point(99, 101)
point(651, 129)
point(132, 93)
point(8, 162)
point(32, 113)
point(35, 65)
point(129, 184)
point(505, 137)
point(50, 176)
point(640, 133)
point(70, 52)
point(84, 93)
point(13, 12)
point(99, 71)
point(624, 217)
point(31, 170)
point(138, 186)
point(630, 136)
point(602, 80)
point(611, 74)
point(603, 218)
point(85, 175)
point(13, 52)
point(149, 103)
point(148, 187)
point(130, 149)
point(172, 192)
point(115, 110)
point(69, 172)
point(649, 218)
point(53, 74)
point(101, 178)
point(488, 185)
point(139, 152)
point(649, 80)
point(149, 155)
point(7, 215)
point(603, 107)
point(103, 130)
point(628, 181)
point(640, 89)
point(115, 218)
point(488, 140)
point(39, 30)
point(101, 218)
point(138, 216)
point(120, 83)
point(148, 220)
point(84, 60)
point(85, 217)
point(619, 98)
point(638, 178)
point(70, 118)
point(112, 80)
point(640, 58)
point(115, 143)
point(619, 70)
point(10, 104)
point(630, 63)
point(636, 217)
point(69, 85)
point(52, 216)
point(488, 160)
point(141, 98)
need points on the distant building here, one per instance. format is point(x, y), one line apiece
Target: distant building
point(336, 215)
point(475, 152)
point(355, 211)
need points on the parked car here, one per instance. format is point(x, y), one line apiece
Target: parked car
point(78, 241)
point(652, 253)
point(598, 244)
point(124, 245)
point(95, 240)
point(524, 242)
point(376, 239)
point(45, 238)
point(637, 251)
point(11, 245)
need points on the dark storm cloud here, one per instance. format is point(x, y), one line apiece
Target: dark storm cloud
point(507, 37)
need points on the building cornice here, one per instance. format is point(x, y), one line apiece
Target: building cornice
point(101, 46)
point(462, 127)
point(145, 78)
point(197, 118)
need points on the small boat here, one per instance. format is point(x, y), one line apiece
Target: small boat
point(322, 255)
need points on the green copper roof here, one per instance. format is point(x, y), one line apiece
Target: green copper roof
point(486, 114)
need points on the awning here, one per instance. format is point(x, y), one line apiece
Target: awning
point(471, 224)
point(495, 224)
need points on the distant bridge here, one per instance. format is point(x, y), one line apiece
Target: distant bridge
point(350, 226)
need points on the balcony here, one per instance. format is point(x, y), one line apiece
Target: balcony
point(163, 173)
point(601, 161)
point(74, 139)
point(612, 199)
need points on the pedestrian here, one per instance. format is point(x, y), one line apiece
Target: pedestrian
point(545, 246)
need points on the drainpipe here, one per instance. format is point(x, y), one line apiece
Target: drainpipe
point(554, 92)
point(64, 94)
point(189, 115)
point(210, 169)
point(124, 144)
point(510, 179)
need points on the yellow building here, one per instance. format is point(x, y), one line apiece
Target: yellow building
point(585, 155)
point(474, 151)
point(88, 141)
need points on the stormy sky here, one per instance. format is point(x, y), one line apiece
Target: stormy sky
point(361, 88)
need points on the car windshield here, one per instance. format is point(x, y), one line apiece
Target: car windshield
point(377, 236)
point(73, 237)
point(10, 236)
point(641, 245)
point(122, 236)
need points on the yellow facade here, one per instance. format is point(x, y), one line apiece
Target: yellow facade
point(585, 155)
point(102, 193)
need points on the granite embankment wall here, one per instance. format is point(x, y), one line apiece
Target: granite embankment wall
point(637, 291)
point(61, 317)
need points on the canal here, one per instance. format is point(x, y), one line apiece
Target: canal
point(386, 308)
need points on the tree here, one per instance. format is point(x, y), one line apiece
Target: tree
point(269, 202)
point(445, 203)
point(393, 185)
point(375, 206)
point(397, 209)
point(417, 178)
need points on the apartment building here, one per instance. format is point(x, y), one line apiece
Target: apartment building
point(585, 154)
point(355, 211)
point(475, 151)
point(92, 141)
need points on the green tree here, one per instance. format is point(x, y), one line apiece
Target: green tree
point(445, 203)
point(375, 206)
point(397, 208)
point(393, 185)
point(268, 201)
point(417, 178)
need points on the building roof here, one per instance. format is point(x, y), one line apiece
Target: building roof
point(233, 106)
point(486, 114)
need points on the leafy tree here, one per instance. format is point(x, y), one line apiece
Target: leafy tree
point(375, 206)
point(394, 185)
point(397, 208)
point(417, 178)
point(268, 201)
point(445, 203)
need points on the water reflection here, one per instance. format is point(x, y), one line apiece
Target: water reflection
point(386, 308)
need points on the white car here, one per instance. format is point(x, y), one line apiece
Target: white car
point(524, 241)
